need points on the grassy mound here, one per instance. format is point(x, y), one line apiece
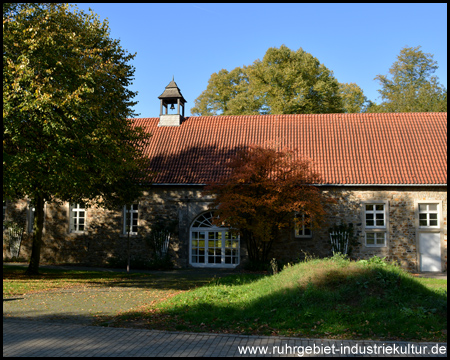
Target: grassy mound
point(332, 298)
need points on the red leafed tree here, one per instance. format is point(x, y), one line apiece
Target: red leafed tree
point(262, 193)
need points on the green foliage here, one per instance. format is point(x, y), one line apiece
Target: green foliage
point(353, 98)
point(411, 86)
point(374, 261)
point(66, 132)
point(283, 82)
point(340, 259)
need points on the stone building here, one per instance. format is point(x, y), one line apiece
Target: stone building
point(388, 173)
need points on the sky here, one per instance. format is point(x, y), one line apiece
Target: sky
point(190, 42)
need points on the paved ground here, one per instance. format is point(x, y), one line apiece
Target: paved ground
point(35, 326)
point(45, 339)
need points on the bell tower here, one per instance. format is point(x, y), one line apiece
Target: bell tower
point(171, 96)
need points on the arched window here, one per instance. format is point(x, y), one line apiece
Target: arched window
point(212, 246)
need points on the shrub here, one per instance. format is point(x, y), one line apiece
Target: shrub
point(342, 238)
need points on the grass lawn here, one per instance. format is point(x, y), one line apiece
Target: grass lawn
point(331, 298)
point(15, 282)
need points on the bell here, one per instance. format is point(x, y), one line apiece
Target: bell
point(172, 107)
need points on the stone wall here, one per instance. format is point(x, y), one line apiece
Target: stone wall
point(402, 237)
point(104, 239)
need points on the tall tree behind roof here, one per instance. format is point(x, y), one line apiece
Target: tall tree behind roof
point(283, 82)
point(410, 85)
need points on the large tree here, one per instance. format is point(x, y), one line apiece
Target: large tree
point(283, 82)
point(260, 197)
point(353, 98)
point(66, 104)
point(410, 85)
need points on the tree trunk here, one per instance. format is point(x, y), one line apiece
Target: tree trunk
point(38, 226)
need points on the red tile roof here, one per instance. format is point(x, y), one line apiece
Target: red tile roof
point(403, 148)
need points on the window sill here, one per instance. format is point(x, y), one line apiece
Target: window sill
point(131, 235)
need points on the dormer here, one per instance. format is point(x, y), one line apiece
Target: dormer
point(171, 96)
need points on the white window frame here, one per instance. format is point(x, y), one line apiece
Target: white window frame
point(427, 212)
point(377, 230)
point(31, 212)
point(300, 233)
point(74, 213)
point(4, 212)
point(134, 215)
point(206, 227)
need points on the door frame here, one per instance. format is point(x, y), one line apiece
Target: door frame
point(421, 230)
point(207, 229)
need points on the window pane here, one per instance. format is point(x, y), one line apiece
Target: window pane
point(370, 238)
point(380, 219)
point(423, 207)
point(380, 238)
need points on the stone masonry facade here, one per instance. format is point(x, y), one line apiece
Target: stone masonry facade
point(104, 238)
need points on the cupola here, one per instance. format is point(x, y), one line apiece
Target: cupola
point(171, 96)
